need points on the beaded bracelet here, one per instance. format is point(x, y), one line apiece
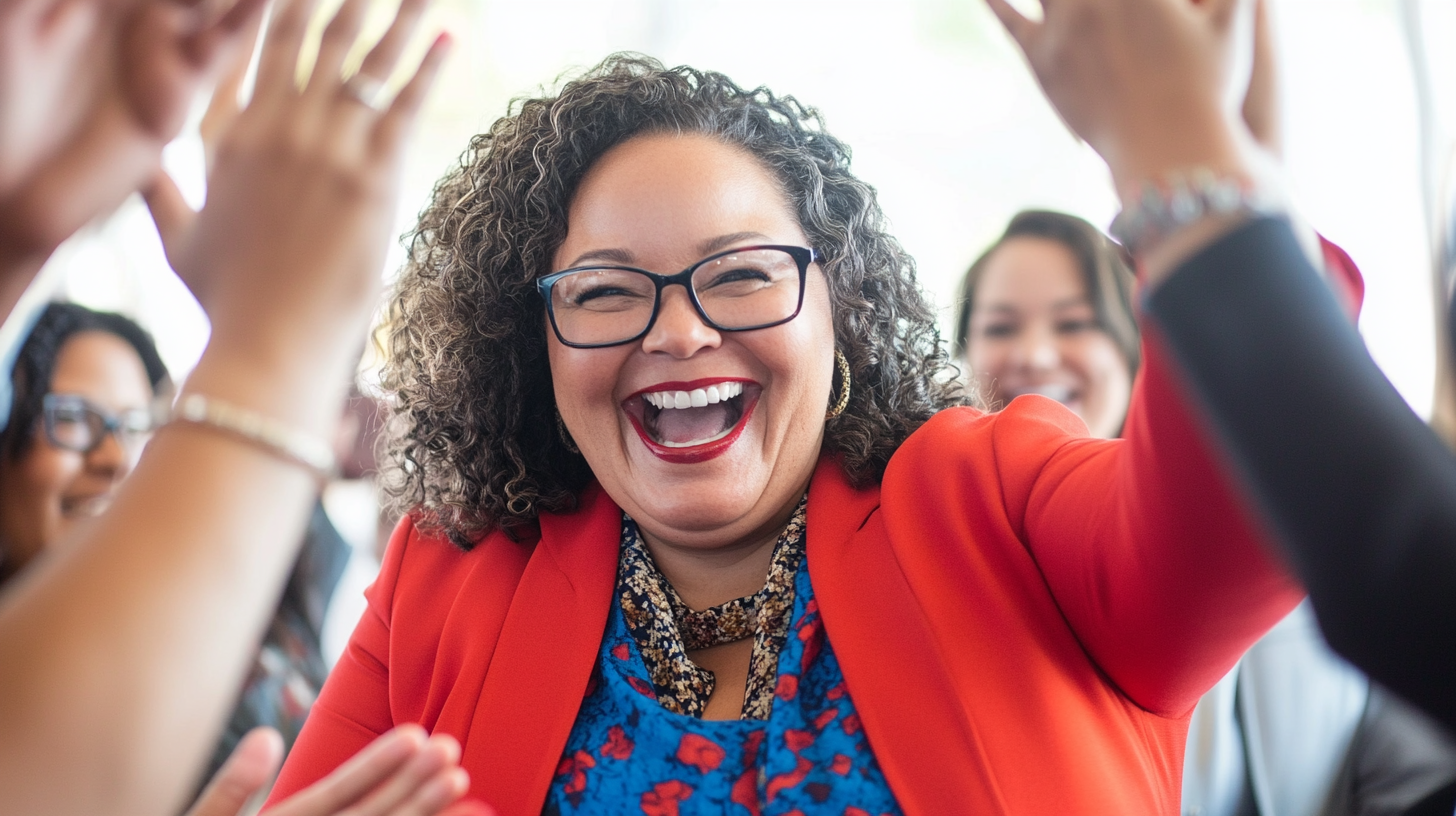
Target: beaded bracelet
point(284, 442)
point(1177, 200)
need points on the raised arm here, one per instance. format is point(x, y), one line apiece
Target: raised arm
point(1361, 493)
point(1166, 581)
point(1152, 562)
point(120, 655)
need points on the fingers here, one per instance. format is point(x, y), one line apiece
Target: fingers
point(250, 767)
point(170, 212)
point(216, 40)
point(424, 786)
point(338, 40)
point(1016, 24)
point(385, 54)
point(394, 126)
point(357, 777)
point(278, 64)
point(226, 102)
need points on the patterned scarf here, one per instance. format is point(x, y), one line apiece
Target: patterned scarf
point(666, 629)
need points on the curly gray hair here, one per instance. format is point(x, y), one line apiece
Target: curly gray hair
point(473, 443)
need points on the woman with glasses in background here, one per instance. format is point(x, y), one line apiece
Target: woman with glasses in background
point(86, 386)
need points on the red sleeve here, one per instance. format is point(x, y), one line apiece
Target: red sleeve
point(1151, 558)
point(1344, 277)
point(353, 707)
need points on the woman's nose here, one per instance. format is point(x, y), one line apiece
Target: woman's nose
point(1036, 348)
point(110, 459)
point(679, 330)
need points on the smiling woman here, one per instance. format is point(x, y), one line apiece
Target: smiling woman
point(85, 384)
point(697, 523)
point(1047, 309)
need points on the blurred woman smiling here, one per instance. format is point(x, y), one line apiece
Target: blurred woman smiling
point(85, 387)
point(1047, 309)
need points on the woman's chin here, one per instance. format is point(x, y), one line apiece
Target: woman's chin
point(694, 497)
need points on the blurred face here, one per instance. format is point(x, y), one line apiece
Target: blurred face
point(50, 490)
point(726, 468)
point(1033, 330)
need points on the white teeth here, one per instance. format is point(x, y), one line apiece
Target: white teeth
point(697, 398)
point(1060, 393)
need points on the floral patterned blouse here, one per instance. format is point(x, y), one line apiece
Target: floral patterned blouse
point(640, 745)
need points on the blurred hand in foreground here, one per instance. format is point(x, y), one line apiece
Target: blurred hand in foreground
point(106, 84)
point(287, 254)
point(1142, 81)
point(400, 774)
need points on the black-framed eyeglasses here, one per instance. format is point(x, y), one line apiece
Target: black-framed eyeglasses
point(74, 423)
point(742, 289)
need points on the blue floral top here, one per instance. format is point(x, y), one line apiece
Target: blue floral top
point(808, 755)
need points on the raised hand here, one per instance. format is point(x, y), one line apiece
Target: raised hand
point(1142, 81)
point(170, 210)
point(131, 71)
point(49, 69)
point(289, 249)
point(403, 773)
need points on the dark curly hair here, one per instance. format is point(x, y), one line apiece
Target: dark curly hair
point(473, 444)
point(35, 366)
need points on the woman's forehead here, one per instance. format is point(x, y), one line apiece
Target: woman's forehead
point(667, 197)
point(102, 367)
point(1029, 267)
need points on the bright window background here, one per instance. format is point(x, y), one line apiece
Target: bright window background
point(944, 119)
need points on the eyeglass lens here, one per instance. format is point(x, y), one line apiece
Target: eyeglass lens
point(742, 290)
point(74, 424)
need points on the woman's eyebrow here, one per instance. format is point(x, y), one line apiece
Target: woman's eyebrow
point(712, 245)
point(708, 247)
point(618, 256)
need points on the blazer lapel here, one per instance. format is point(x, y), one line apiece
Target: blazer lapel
point(886, 646)
point(545, 655)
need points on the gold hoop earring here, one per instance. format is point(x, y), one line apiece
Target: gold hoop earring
point(565, 434)
point(842, 365)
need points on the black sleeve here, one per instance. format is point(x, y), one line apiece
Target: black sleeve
point(1358, 491)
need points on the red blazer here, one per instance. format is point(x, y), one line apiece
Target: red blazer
point(1025, 618)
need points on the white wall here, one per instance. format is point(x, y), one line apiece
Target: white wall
point(944, 119)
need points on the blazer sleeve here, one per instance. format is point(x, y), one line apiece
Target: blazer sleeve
point(1149, 557)
point(1360, 493)
point(352, 709)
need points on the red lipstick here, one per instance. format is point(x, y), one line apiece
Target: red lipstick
point(633, 407)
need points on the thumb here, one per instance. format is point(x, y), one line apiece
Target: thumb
point(210, 46)
point(1017, 25)
point(248, 770)
point(171, 213)
point(225, 106)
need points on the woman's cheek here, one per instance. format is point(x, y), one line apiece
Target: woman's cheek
point(1108, 384)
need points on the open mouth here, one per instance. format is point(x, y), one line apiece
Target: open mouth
point(1061, 393)
point(694, 421)
point(85, 506)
